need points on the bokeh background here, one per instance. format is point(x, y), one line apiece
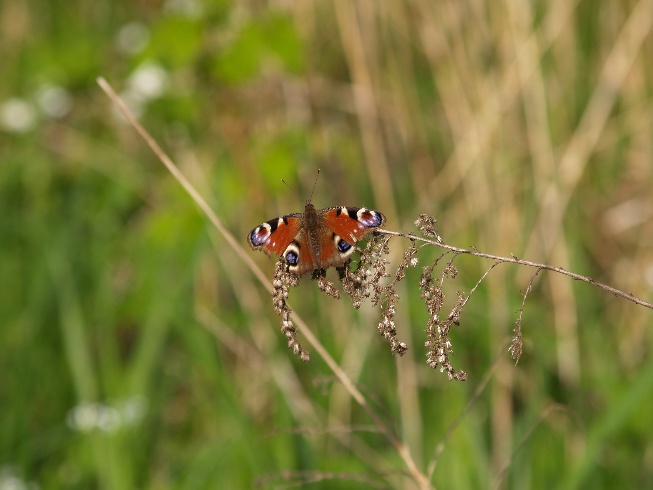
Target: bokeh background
point(139, 351)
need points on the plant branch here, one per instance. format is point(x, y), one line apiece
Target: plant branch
point(514, 260)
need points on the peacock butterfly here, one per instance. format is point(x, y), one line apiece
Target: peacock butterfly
point(314, 239)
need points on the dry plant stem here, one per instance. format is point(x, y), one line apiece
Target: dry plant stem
point(188, 187)
point(528, 263)
point(516, 344)
point(419, 477)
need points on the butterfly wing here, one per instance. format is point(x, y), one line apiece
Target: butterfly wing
point(342, 228)
point(275, 235)
point(352, 224)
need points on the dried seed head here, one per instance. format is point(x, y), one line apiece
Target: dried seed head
point(427, 225)
point(283, 280)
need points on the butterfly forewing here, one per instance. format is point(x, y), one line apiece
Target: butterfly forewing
point(352, 224)
point(275, 235)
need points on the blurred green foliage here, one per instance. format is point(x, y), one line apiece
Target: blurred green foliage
point(138, 351)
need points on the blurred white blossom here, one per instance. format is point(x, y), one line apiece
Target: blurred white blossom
point(147, 82)
point(17, 115)
point(132, 37)
point(106, 418)
point(9, 480)
point(189, 8)
point(54, 101)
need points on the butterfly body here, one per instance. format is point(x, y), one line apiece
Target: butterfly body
point(315, 239)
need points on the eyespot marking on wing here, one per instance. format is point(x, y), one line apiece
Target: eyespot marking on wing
point(291, 255)
point(261, 234)
point(345, 249)
point(369, 218)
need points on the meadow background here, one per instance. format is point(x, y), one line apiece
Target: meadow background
point(139, 351)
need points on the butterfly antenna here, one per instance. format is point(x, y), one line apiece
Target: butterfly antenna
point(286, 183)
point(314, 184)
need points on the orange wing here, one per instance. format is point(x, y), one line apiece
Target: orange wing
point(275, 235)
point(352, 224)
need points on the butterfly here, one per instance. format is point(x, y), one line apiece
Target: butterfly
point(315, 239)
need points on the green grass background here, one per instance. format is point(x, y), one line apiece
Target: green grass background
point(139, 351)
